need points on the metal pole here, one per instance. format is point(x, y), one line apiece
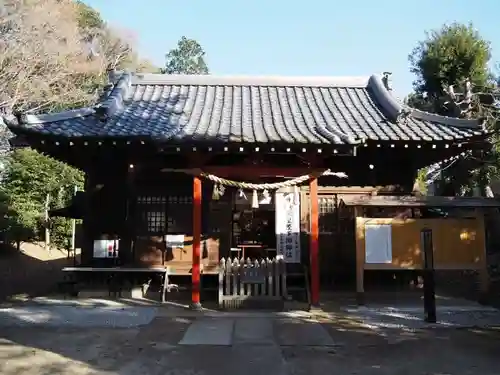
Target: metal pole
point(429, 282)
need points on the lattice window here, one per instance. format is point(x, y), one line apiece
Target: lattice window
point(151, 200)
point(152, 214)
point(155, 221)
point(179, 214)
point(327, 214)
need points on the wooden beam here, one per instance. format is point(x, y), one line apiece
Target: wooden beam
point(424, 201)
point(257, 171)
point(195, 273)
point(314, 241)
point(484, 275)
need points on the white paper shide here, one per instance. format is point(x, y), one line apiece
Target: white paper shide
point(288, 226)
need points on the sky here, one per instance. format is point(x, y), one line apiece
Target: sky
point(299, 38)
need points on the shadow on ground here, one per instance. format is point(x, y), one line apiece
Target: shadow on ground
point(30, 272)
point(75, 337)
point(299, 343)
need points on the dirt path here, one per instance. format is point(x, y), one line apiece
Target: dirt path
point(280, 346)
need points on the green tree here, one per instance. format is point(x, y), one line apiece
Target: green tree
point(451, 55)
point(88, 17)
point(53, 57)
point(187, 58)
point(29, 176)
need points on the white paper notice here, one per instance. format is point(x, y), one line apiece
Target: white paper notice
point(378, 243)
point(175, 241)
point(106, 248)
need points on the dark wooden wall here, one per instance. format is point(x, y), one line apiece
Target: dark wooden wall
point(141, 205)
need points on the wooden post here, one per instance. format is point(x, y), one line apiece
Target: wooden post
point(314, 241)
point(429, 284)
point(484, 275)
point(73, 227)
point(47, 229)
point(360, 255)
point(195, 273)
point(127, 248)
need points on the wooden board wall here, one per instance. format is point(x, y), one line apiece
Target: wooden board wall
point(458, 243)
point(337, 245)
point(176, 211)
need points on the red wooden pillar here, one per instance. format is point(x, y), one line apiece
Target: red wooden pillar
point(314, 241)
point(195, 270)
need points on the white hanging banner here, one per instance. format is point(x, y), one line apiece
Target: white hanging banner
point(288, 226)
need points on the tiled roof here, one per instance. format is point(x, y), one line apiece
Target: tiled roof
point(317, 110)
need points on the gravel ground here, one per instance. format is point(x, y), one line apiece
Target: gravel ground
point(71, 316)
point(50, 336)
point(288, 347)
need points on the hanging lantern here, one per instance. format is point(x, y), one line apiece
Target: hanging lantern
point(255, 199)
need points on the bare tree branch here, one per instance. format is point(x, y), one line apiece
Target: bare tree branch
point(46, 61)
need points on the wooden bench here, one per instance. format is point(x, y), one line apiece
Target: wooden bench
point(113, 275)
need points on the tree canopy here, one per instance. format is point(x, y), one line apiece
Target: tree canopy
point(453, 55)
point(53, 56)
point(30, 177)
point(448, 56)
point(187, 58)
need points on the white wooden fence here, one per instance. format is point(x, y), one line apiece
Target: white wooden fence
point(252, 283)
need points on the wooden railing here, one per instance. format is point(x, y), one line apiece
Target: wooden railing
point(255, 284)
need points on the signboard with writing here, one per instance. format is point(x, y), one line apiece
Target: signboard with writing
point(175, 241)
point(288, 226)
point(106, 248)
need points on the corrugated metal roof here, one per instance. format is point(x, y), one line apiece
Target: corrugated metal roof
point(303, 110)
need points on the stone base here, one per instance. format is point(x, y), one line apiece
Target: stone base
point(94, 293)
point(315, 309)
point(196, 306)
point(133, 293)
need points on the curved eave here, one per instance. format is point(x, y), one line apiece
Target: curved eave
point(109, 120)
point(395, 109)
point(38, 135)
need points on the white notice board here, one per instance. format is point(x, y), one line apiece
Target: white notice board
point(378, 243)
point(106, 248)
point(175, 241)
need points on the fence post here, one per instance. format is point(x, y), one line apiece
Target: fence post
point(235, 269)
point(222, 267)
point(283, 279)
point(429, 282)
